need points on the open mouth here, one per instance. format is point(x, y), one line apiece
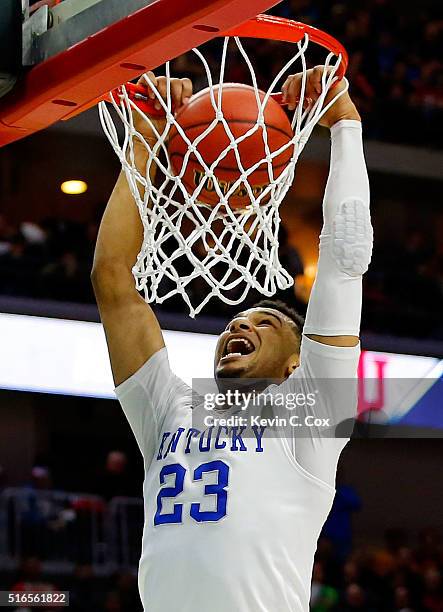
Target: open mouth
point(237, 347)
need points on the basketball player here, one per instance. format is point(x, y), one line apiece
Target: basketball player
point(231, 524)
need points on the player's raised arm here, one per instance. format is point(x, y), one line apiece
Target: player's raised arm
point(132, 330)
point(334, 309)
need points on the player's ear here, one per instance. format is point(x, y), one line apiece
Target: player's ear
point(292, 364)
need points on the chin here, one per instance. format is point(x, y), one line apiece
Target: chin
point(231, 371)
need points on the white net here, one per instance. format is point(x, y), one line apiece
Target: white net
point(198, 251)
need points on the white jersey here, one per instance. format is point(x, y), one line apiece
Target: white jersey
point(231, 524)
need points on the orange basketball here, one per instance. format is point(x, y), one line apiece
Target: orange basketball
point(239, 107)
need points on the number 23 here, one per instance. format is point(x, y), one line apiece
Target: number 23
point(201, 516)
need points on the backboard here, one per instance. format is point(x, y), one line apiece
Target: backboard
point(73, 52)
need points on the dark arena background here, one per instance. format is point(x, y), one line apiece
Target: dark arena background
point(71, 512)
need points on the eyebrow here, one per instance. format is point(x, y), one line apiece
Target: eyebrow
point(271, 314)
point(266, 312)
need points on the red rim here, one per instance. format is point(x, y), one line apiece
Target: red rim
point(263, 26)
point(286, 30)
point(138, 94)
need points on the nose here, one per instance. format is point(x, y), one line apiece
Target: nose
point(240, 324)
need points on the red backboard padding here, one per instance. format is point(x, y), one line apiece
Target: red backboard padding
point(60, 86)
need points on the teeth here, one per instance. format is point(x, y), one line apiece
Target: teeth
point(248, 344)
point(233, 355)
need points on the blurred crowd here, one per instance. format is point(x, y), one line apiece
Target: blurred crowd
point(51, 260)
point(87, 591)
point(396, 74)
point(401, 573)
point(391, 577)
point(395, 70)
point(396, 67)
point(403, 288)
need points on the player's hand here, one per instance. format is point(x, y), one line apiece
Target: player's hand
point(343, 108)
point(181, 91)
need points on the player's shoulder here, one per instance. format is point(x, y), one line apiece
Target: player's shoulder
point(314, 347)
point(320, 359)
point(155, 377)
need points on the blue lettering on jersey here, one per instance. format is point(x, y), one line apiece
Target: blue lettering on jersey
point(217, 444)
point(236, 437)
point(174, 441)
point(203, 446)
point(258, 432)
point(164, 438)
point(191, 432)
point(230, 438)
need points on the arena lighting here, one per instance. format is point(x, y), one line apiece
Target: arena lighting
point(311, 270)
point(70, 358)
point(74, 187)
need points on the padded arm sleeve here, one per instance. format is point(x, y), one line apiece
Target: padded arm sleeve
point(346, 239)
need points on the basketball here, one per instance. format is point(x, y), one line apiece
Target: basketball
point(240, 109)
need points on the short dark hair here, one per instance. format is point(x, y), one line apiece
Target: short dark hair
point(288, 311)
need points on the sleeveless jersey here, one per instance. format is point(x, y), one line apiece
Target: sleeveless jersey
point(231, 522)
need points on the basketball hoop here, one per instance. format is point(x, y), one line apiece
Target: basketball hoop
point(226, 251)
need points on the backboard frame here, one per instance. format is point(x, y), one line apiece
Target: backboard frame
point(68, 81)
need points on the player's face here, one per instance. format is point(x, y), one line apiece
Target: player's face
point(258, 343)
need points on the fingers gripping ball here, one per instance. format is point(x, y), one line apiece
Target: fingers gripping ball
point(240, 109)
